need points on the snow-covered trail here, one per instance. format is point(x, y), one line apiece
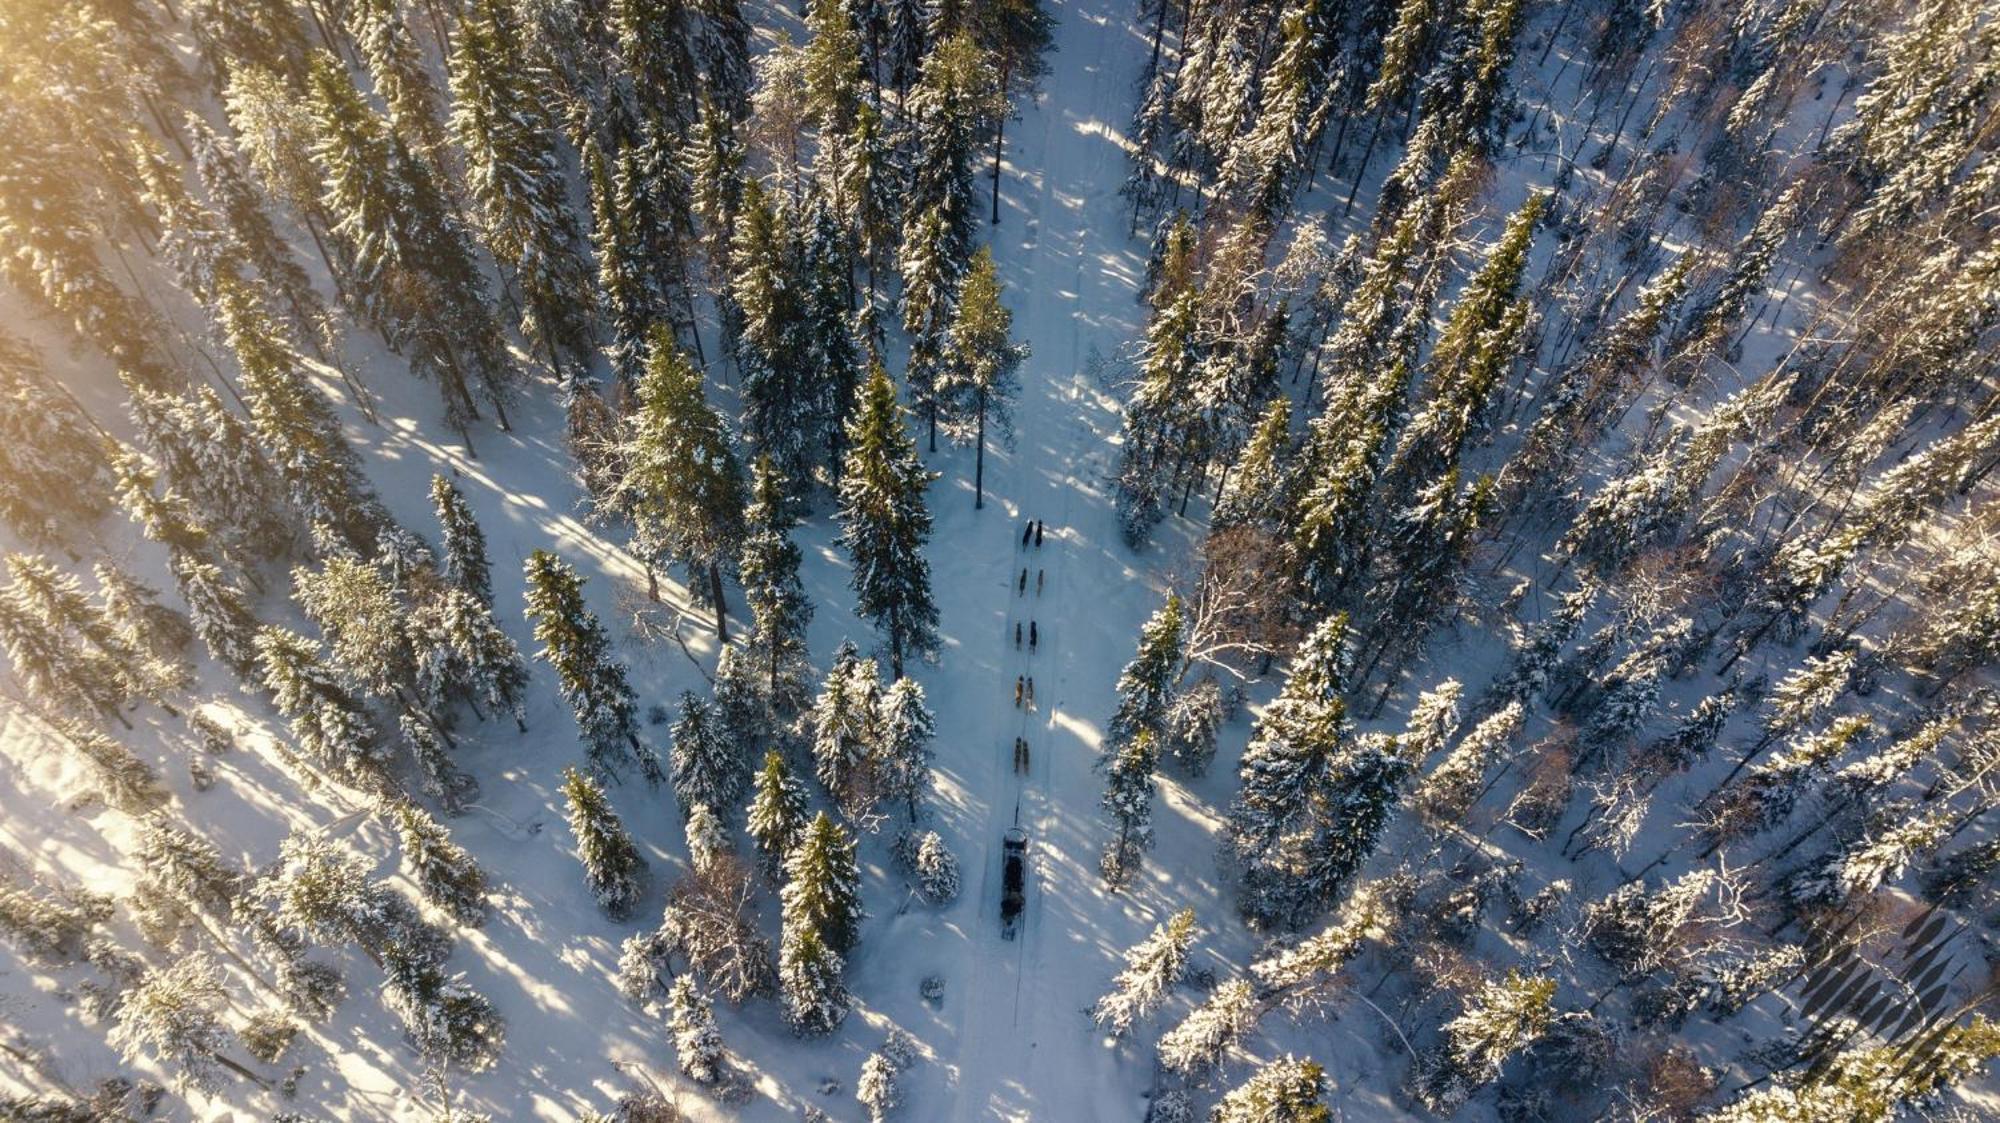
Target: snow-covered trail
point(1022, 1047)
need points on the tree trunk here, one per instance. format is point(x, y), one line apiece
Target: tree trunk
point(721, 609)
point(999, 146)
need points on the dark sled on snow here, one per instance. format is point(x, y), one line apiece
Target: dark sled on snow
point(1013, 879)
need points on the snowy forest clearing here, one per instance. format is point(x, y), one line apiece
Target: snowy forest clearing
point(1560, 570)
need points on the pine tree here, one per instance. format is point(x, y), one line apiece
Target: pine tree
point(846, 727)
point(63, 647)
point(187, 869)
point(809, 982)
point(241, 209)
point(214, 460)
point(515, 179)
point(767, 289)
point(708, 768)
point(697, 1041)
point(935, 867)
point(1468, 364)
point(1146, 685)
point(322, 474)
point(715, 160)
point(1203, 1038)
point(777, 818)
point(328, 721)
point(1286, 1091)
point(826, 323)
point(957, 102)
point(218, 610)
point(443, 870)
point(775, 597)
point(902, 765)
point(682, 487)
point(441, 779)
point(463, 655)
point(362, 620)
point(931, 279)
point(1128, 800)
point(591, 681)
point(401, 76)
point(174, 1014)
point(1152, 967)
point(654, 43)
point(465, 563)
point(1016, 35)
point(415, 274)
point(1293, 746)
point(708, 840)
point(823, 886)
point(55, 927)
point(977, 379)
point(133, 609)
point(1251, 492)
point(1451, 788)
point(885, 525)
point(54, 471)
point(612, 866)
point(1501, 1018)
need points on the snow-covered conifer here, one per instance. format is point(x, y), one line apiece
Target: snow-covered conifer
point(708, 768)
point(591, 680)
point(777, 818)
point(612, 865)
point(443, 870)
point(768, 565)
point(1282, 1091)
point(328, 721)
point(175, 1015)
point(1152, 968)
point(902, 748)
point(823, 886)
point(697, 1041)
point(885, 525)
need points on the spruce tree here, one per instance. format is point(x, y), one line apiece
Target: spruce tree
point(766, 286)
point(218, 609)
point(612, 865)
point(213, 458)
point(902, 764)
point(1285, 1091)
point(174, 1014)
point(465, 564)
point(300, 433)
point(931, 277)
point(823, 886)
point(55, 473)
point(444, 871)
point(1128, 770)
point(1153, 967)
point(697, 1041)
point(591, 680)
point(682, 486)
point(708, 768)
point(515, 179)
point(777, 818)
point(1146, 685)
point(328, 721)
point(978, 380)
point(809, 984)
point(768, 566)
point(845, 728)
point(885, 525)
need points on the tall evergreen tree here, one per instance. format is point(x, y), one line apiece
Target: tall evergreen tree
point(612, 865)
point(465, 563)
point(775, 597)
point(682, 487)
point(777, 818)
point(903, 749)
point(328, 721)
point(709, 769)
point(1152, 968)
point(978, 378)
point(885, 525)
point(515, 179)
point(823, 886)
point(55, 474)
point(1146, 685)
point(591, 680)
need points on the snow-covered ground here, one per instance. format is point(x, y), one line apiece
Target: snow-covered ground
point(1010, 1038)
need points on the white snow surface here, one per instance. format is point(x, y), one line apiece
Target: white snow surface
point(1010, 1039)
